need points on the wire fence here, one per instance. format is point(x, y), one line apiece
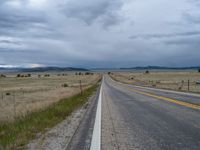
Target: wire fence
point(17, 104)
point(185, 85)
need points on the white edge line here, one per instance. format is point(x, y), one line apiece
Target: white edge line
point(96, 136)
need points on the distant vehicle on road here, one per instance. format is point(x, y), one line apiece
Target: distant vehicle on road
point(198, 82)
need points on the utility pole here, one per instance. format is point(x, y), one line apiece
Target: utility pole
point(81, 87)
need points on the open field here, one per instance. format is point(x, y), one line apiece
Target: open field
point(165, 80)
point(15, 135)
point(22, 95)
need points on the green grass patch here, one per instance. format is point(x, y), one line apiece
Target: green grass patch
point(17, 134)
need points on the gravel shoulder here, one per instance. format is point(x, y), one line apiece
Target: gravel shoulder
point(83, 135)
point(62, 135)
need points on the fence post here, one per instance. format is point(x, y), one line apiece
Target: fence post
point(81, 87)
point(188, 85)
point(14, 111)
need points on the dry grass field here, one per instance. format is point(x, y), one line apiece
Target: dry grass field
point(22, 95)
point(165, 80)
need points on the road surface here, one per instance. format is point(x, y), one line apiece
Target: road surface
point(138, 118)
point(134, 120)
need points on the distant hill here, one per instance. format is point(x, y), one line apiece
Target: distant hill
point(42, 69)
point(46, 69)
point(2, 69)
point(161, 68)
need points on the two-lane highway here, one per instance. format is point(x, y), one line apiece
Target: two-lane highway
point(140, 118)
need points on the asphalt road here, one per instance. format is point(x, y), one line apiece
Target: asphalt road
point(148, 119)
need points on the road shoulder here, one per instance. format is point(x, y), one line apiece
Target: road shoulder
point(61, 135)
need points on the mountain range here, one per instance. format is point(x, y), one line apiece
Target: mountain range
point(161, 68)
point(41, 69)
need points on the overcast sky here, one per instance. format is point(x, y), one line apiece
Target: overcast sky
point(99, 33)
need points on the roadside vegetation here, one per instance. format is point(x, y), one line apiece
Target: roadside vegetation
point(186, 81)
point(16, 135)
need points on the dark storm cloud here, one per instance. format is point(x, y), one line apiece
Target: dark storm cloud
point(91, 10)
point(22, 21)
point(11, 17)
point(17, 20)
point(97, 33)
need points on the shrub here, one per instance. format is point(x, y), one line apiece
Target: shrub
point(3, 76)
point(18, 75)
point(199, 70)
point(89, 73)
point(23, 75)
point(147, 71)
point(47, 75)
point(65, 85)
point(7, 93)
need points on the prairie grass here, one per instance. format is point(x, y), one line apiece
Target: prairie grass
point(15, 135)
point(21, 96)
point(165, 80)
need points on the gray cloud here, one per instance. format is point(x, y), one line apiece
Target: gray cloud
point(96, 33)
point(166, 35)
point(12, 17)
point(193, 19)
point(91, 10)
point(191, 42)
point(10, 42)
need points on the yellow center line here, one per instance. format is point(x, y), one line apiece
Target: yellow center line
point(194, 106)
